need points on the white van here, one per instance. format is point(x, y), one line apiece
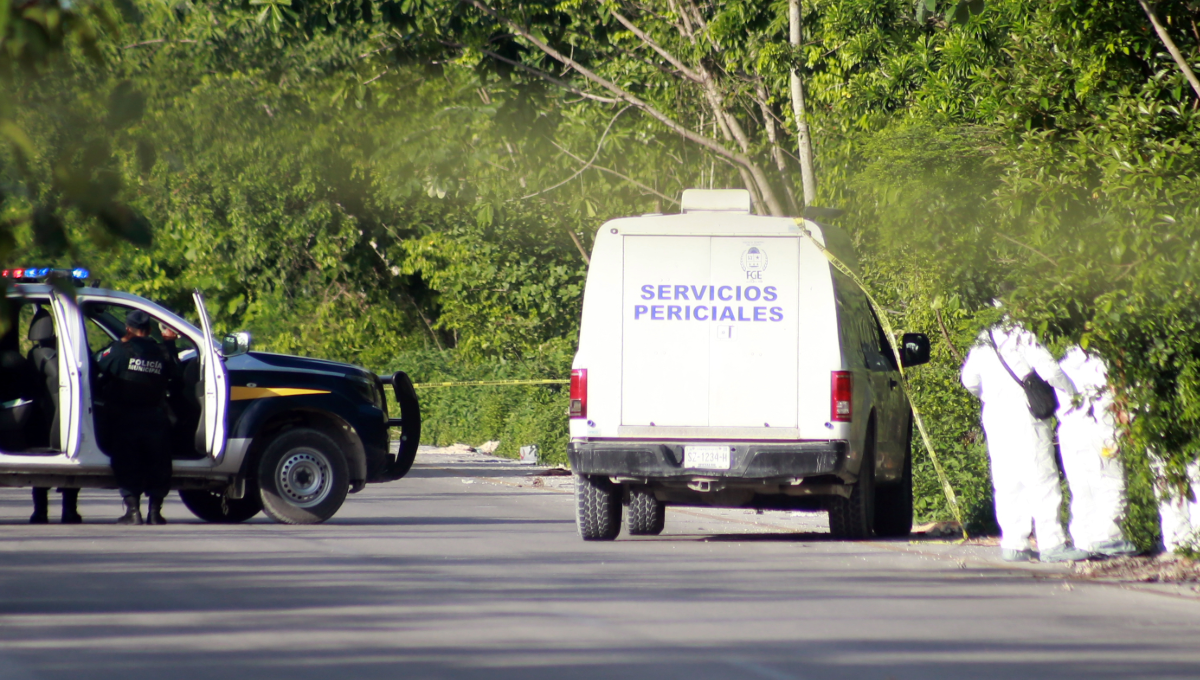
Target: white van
point(724, 362)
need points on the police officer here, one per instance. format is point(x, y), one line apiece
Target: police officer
point(133, 376)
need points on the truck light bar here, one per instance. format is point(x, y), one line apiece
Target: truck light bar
point(578, 407)
point(32, 274)
point(841, 395)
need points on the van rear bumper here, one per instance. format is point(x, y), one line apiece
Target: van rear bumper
point(748, 460)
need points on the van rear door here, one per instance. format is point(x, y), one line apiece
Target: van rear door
point(710, 331)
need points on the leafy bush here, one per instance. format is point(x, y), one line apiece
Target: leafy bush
point(515, 415)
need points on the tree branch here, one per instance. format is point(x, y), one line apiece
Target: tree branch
point(710, 144)
point(946, 335)
point(158, 41)
point(776, 152)
point(579, 244)
point(1175, 53)
point(1031, 249)
point(368, 82)
point(686, 70)
point(599, 145)
point(617, 174)
point(404, 292)
point(541, 74)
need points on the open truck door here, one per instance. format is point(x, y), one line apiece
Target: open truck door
point(216, 385)
point(72, 355)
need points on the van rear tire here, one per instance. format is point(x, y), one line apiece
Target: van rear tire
point(647, 514)
point(597, 508)
point(853, 518)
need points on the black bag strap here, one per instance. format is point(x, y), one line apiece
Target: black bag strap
point(992, 340)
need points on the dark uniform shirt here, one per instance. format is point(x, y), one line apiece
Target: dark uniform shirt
point(135, 375)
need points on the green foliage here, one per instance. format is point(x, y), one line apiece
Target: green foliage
point(408, 184)
point(515, 415)
point(63, 128)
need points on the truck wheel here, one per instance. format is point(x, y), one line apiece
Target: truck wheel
point(894, 504)
point(302, 477)
point(647, 515)
point(597, 508)
point(207, 505)
point(853, 518)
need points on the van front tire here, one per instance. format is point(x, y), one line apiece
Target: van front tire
point(853, 518)
point(647, 514)
point(597, 508)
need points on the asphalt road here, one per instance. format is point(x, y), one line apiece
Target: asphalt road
point(441, 575)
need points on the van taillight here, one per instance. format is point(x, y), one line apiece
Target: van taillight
point(840, 397)
point(578, 407)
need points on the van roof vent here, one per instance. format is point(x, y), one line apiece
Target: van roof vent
point(716, 200)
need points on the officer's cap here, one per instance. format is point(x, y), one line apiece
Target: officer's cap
point(138, 320)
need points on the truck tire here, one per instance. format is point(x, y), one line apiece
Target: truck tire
point(853, 518)
point(894, 502)
point(647, 515)
point(303, 477)
point(207, 505)
point(597, 508)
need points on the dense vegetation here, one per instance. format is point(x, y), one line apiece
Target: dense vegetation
point(415, 182)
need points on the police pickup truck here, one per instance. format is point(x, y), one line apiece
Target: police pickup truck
point(251, 431)
point(724, 362)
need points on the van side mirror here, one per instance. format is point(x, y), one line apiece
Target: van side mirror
point(236, 343)
point(914, 349)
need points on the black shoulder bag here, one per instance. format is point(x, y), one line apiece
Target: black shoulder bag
point(1042, 400)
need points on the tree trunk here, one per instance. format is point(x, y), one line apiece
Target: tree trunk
point(776, 152)
point(803, 141)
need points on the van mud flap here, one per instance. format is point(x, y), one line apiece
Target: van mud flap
point(409, 423)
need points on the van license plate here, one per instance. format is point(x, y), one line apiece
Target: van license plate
point(706, 457)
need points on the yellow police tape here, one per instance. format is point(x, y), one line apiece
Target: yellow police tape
point(479, 383)
point(948, 490)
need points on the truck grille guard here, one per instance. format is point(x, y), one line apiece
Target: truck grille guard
point(409, 422)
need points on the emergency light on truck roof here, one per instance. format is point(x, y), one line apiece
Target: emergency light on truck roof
point(29, 274)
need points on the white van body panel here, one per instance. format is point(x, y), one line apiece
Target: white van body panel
point(762, 372)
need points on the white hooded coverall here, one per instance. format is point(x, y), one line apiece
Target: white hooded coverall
point(1179, 515)
point(1021, 447)
point(1087, 440)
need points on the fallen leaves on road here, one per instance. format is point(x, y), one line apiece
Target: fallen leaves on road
point(936, 529)
point(1152, 569)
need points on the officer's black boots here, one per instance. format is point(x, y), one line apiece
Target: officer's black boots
point(70, 506)
point(41, 509)
point(154, 512)
point(133, 511)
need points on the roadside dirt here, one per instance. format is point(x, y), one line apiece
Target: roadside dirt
point(1143, 569)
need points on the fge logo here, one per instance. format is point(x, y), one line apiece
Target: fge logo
point(754, 263)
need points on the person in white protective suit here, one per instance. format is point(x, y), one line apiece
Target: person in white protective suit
point(1024, 475)
point(1179, 514)
point(1087, 440)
